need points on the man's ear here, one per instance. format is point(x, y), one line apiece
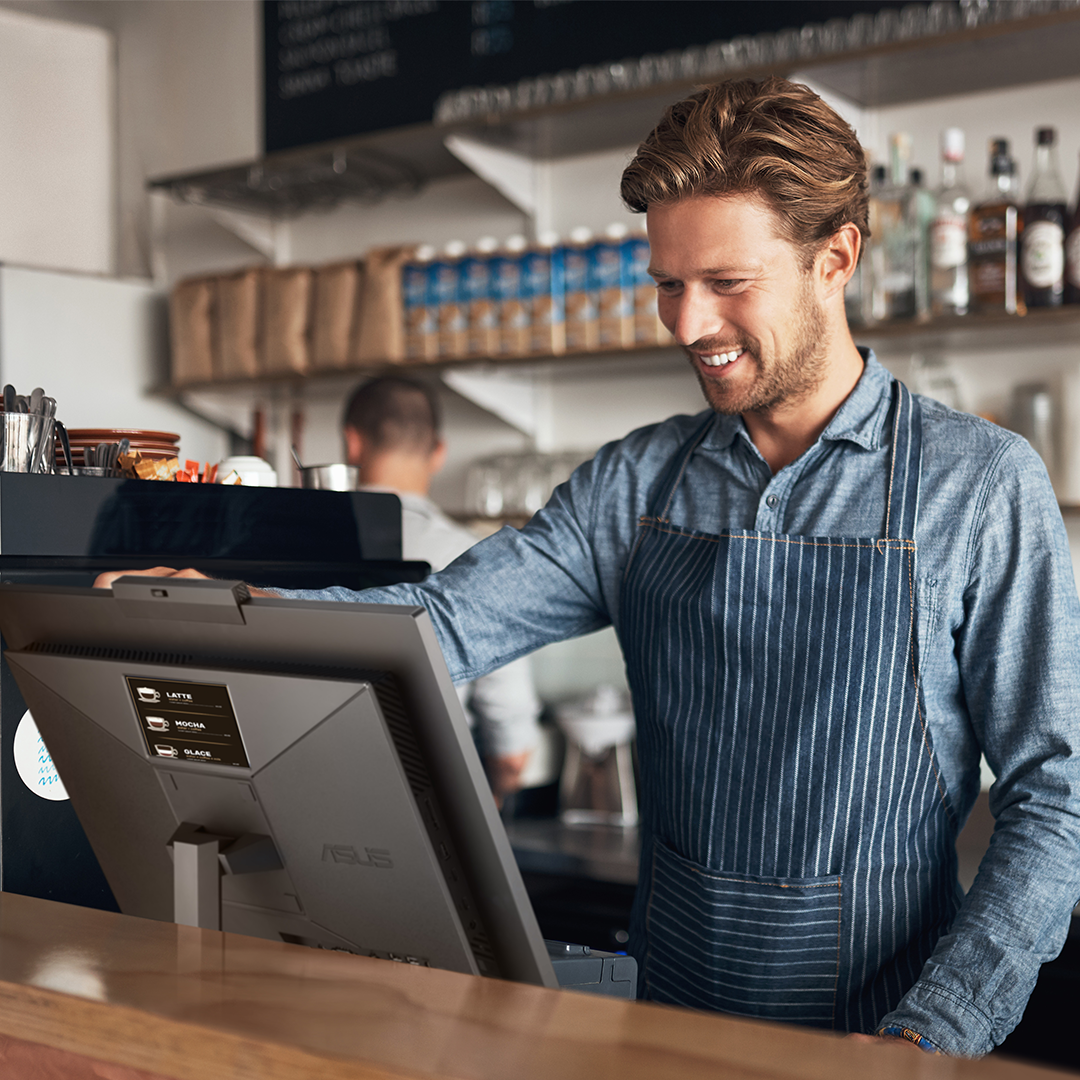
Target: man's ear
point(837, 260)
point(354, 446)
point(438, 457)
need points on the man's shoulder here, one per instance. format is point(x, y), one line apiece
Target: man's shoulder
point(655, 442)
point(972, 450)
point(947, 429)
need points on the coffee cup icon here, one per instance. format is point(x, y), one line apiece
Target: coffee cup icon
point(148, 693)
point(157, 723)
point(166, 751)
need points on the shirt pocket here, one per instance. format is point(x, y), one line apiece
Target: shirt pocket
point(737, 943)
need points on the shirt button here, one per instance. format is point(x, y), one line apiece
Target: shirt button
point(772, 501)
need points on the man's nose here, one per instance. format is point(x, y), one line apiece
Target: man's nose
point(693, 316)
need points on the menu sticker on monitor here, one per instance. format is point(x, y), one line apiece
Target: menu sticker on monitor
point(188, 721)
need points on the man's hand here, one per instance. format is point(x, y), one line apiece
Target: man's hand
point(883, 1040)
point(104, 581)
point(504, 773)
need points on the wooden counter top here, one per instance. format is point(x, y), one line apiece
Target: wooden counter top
point(191, 1004)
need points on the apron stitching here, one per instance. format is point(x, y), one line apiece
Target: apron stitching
point(880, 545)
point(746, 881)
point(918, 703)
point(839, 944)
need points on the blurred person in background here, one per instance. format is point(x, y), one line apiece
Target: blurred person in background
point(392, 434)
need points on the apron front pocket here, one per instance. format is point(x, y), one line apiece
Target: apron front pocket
point(742, 944)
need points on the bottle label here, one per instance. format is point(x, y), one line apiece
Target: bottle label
point(1042, 258)
point(948, 242)
point(1072, 258)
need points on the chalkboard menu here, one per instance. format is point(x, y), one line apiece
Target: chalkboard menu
point(336, 68)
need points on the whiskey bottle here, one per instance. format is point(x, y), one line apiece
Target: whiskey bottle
point(1042, 249)
point(923, 207)
point(994, 231)
point(949, 231)
point(1072, 253)
point(895, 234)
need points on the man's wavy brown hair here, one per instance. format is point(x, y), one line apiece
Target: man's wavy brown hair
point(771, 138)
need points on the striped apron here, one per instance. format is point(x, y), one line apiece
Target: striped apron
point(798, 845)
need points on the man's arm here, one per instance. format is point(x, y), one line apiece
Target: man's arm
point(513, 592)
point(1019, 655)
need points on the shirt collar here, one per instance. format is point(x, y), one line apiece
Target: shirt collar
point(860, 419)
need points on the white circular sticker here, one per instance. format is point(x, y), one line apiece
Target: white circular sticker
point(36, 768)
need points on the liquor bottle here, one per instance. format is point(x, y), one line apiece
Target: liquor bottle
point(895, 254)
point(860, 305)
point(923, 207)
point(949, 231)
point(1072, 253)
point(994, 231)
point(1042, 248)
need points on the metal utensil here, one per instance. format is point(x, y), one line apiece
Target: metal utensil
point(65, 443)
point(101, 456)
point(335, 477)
point(35, 431)
point(9, 399)
point(17, 455)
point(44, 456)
point(118, 450)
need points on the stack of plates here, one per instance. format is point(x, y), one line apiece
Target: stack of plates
point(150, 444)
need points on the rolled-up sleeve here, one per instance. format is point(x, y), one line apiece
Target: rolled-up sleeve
point(515, 591)
point(1018, 650)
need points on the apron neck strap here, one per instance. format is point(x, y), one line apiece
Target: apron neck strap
point(905, 466)
point(664, 494)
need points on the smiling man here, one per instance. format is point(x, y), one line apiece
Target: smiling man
point(832, 596)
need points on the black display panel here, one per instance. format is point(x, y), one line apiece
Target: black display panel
point(188, 721)
point(338, 68)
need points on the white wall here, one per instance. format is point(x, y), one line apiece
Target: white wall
point(96, 345)
point(56, 144)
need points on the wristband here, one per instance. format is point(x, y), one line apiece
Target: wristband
point(921, 1041)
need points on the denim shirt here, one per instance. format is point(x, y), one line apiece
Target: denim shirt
point(998, 639)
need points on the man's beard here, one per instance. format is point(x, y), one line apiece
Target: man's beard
point(780, 380)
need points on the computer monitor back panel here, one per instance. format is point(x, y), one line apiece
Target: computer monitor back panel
point(331, 728)
point(360, 850)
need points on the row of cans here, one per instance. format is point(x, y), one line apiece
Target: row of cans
point(541, 299)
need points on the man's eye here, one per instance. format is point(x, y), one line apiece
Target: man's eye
point(727, 283)
point(667, 286)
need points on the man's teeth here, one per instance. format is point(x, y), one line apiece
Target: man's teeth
point(717, 359)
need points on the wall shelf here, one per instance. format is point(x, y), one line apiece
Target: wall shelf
point(1044, 327)
point(971, 333)
point(989, 47)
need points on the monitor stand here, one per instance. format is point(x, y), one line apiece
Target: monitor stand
point(199, 860)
